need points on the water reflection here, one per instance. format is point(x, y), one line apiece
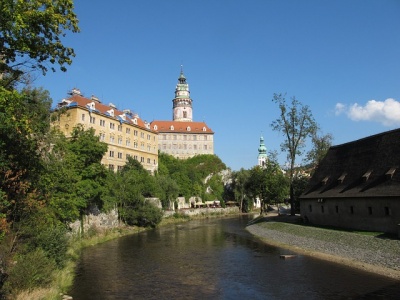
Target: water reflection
point(211, 259)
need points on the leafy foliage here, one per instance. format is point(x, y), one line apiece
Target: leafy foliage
point(31, 35)
point(296, 123)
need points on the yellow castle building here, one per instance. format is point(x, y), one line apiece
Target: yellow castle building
point(125, 133)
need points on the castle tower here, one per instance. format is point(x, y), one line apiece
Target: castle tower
point(262, 153)
point(182, 104)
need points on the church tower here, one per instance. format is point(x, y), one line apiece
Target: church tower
point(262, 153)
point(182, 104)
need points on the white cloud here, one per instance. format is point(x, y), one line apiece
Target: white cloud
point(385, 112)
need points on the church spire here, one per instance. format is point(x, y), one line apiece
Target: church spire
point(182, 103)
point(262, 153)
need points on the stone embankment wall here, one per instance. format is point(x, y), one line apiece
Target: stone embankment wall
point(204, 211)
point(100, 221)
point(104, 221)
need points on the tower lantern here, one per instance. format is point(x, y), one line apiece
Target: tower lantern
point(182, 103)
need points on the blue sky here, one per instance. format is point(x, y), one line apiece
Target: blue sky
point(341, 58)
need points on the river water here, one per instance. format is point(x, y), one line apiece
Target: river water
point(214, 259)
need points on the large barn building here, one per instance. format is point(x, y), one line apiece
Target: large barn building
point(357, 186)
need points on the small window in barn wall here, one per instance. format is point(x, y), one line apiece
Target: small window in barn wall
point(369, 210)
point(322, 208)
point(337, 209)
point(310, 208)
point(387, 211)
point(351, 210)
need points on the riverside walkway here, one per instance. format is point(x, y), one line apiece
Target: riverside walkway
point(377, 254)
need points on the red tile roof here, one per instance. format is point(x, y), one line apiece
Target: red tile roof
point(181, 127)
point(104, 109)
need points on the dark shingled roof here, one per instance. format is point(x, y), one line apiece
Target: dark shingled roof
point(369, 167)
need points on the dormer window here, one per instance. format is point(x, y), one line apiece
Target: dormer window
point(366, 175)
point(342, 177)
point(389, 174)
point(91, 106)
point(111, 112)
point(171, 127)
point(188, 128)
point(204, 129)
point(155, 127)
point(135, 121)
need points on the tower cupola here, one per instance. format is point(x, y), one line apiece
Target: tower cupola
point(182, 103)
point(262, 153)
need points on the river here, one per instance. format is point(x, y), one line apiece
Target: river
point(214, 259)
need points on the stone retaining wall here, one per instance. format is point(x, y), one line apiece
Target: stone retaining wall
point(101, 221)
point(204, 211)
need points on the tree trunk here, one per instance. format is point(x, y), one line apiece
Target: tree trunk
point(292, 210)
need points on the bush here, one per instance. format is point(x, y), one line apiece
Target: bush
point(143, 215)
point(30, 271)
point(54, 242)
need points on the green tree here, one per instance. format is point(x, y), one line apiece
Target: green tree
point(239, 182)
point(321, 145)
point(22, 116)
point(75, 178)
point(31, 35)
point(169, 190)
point(128, 189)
point(297, 124)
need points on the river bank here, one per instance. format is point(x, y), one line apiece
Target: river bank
point(376, 254)
point(63, 279)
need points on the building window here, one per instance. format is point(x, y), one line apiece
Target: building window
point(119, 127)
point(142, 135)
point(337, 209)
point(149, 137)
point(205, 147)
point(92, 120)
point(322, 209)
point(128, 142)
point(112, 126)
point(102, 123)
point(111, 139)
point(111, 167)
point(369, 210)
point(387, 211)
point(102, 137)
point(119, 140)
point(119, 168)
point(194, 147)
point(111, 153)
point(195, 138)
point(148, 160)
point(205, 138)
point(128, 130)
point(141, 159)
point(135, 144)
point(135, 132)
point(119, 155)
point(164, 136)
point(135, 157)
point(352, 210)
point(310, 208)
point(174, 137)
point(83, 117)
